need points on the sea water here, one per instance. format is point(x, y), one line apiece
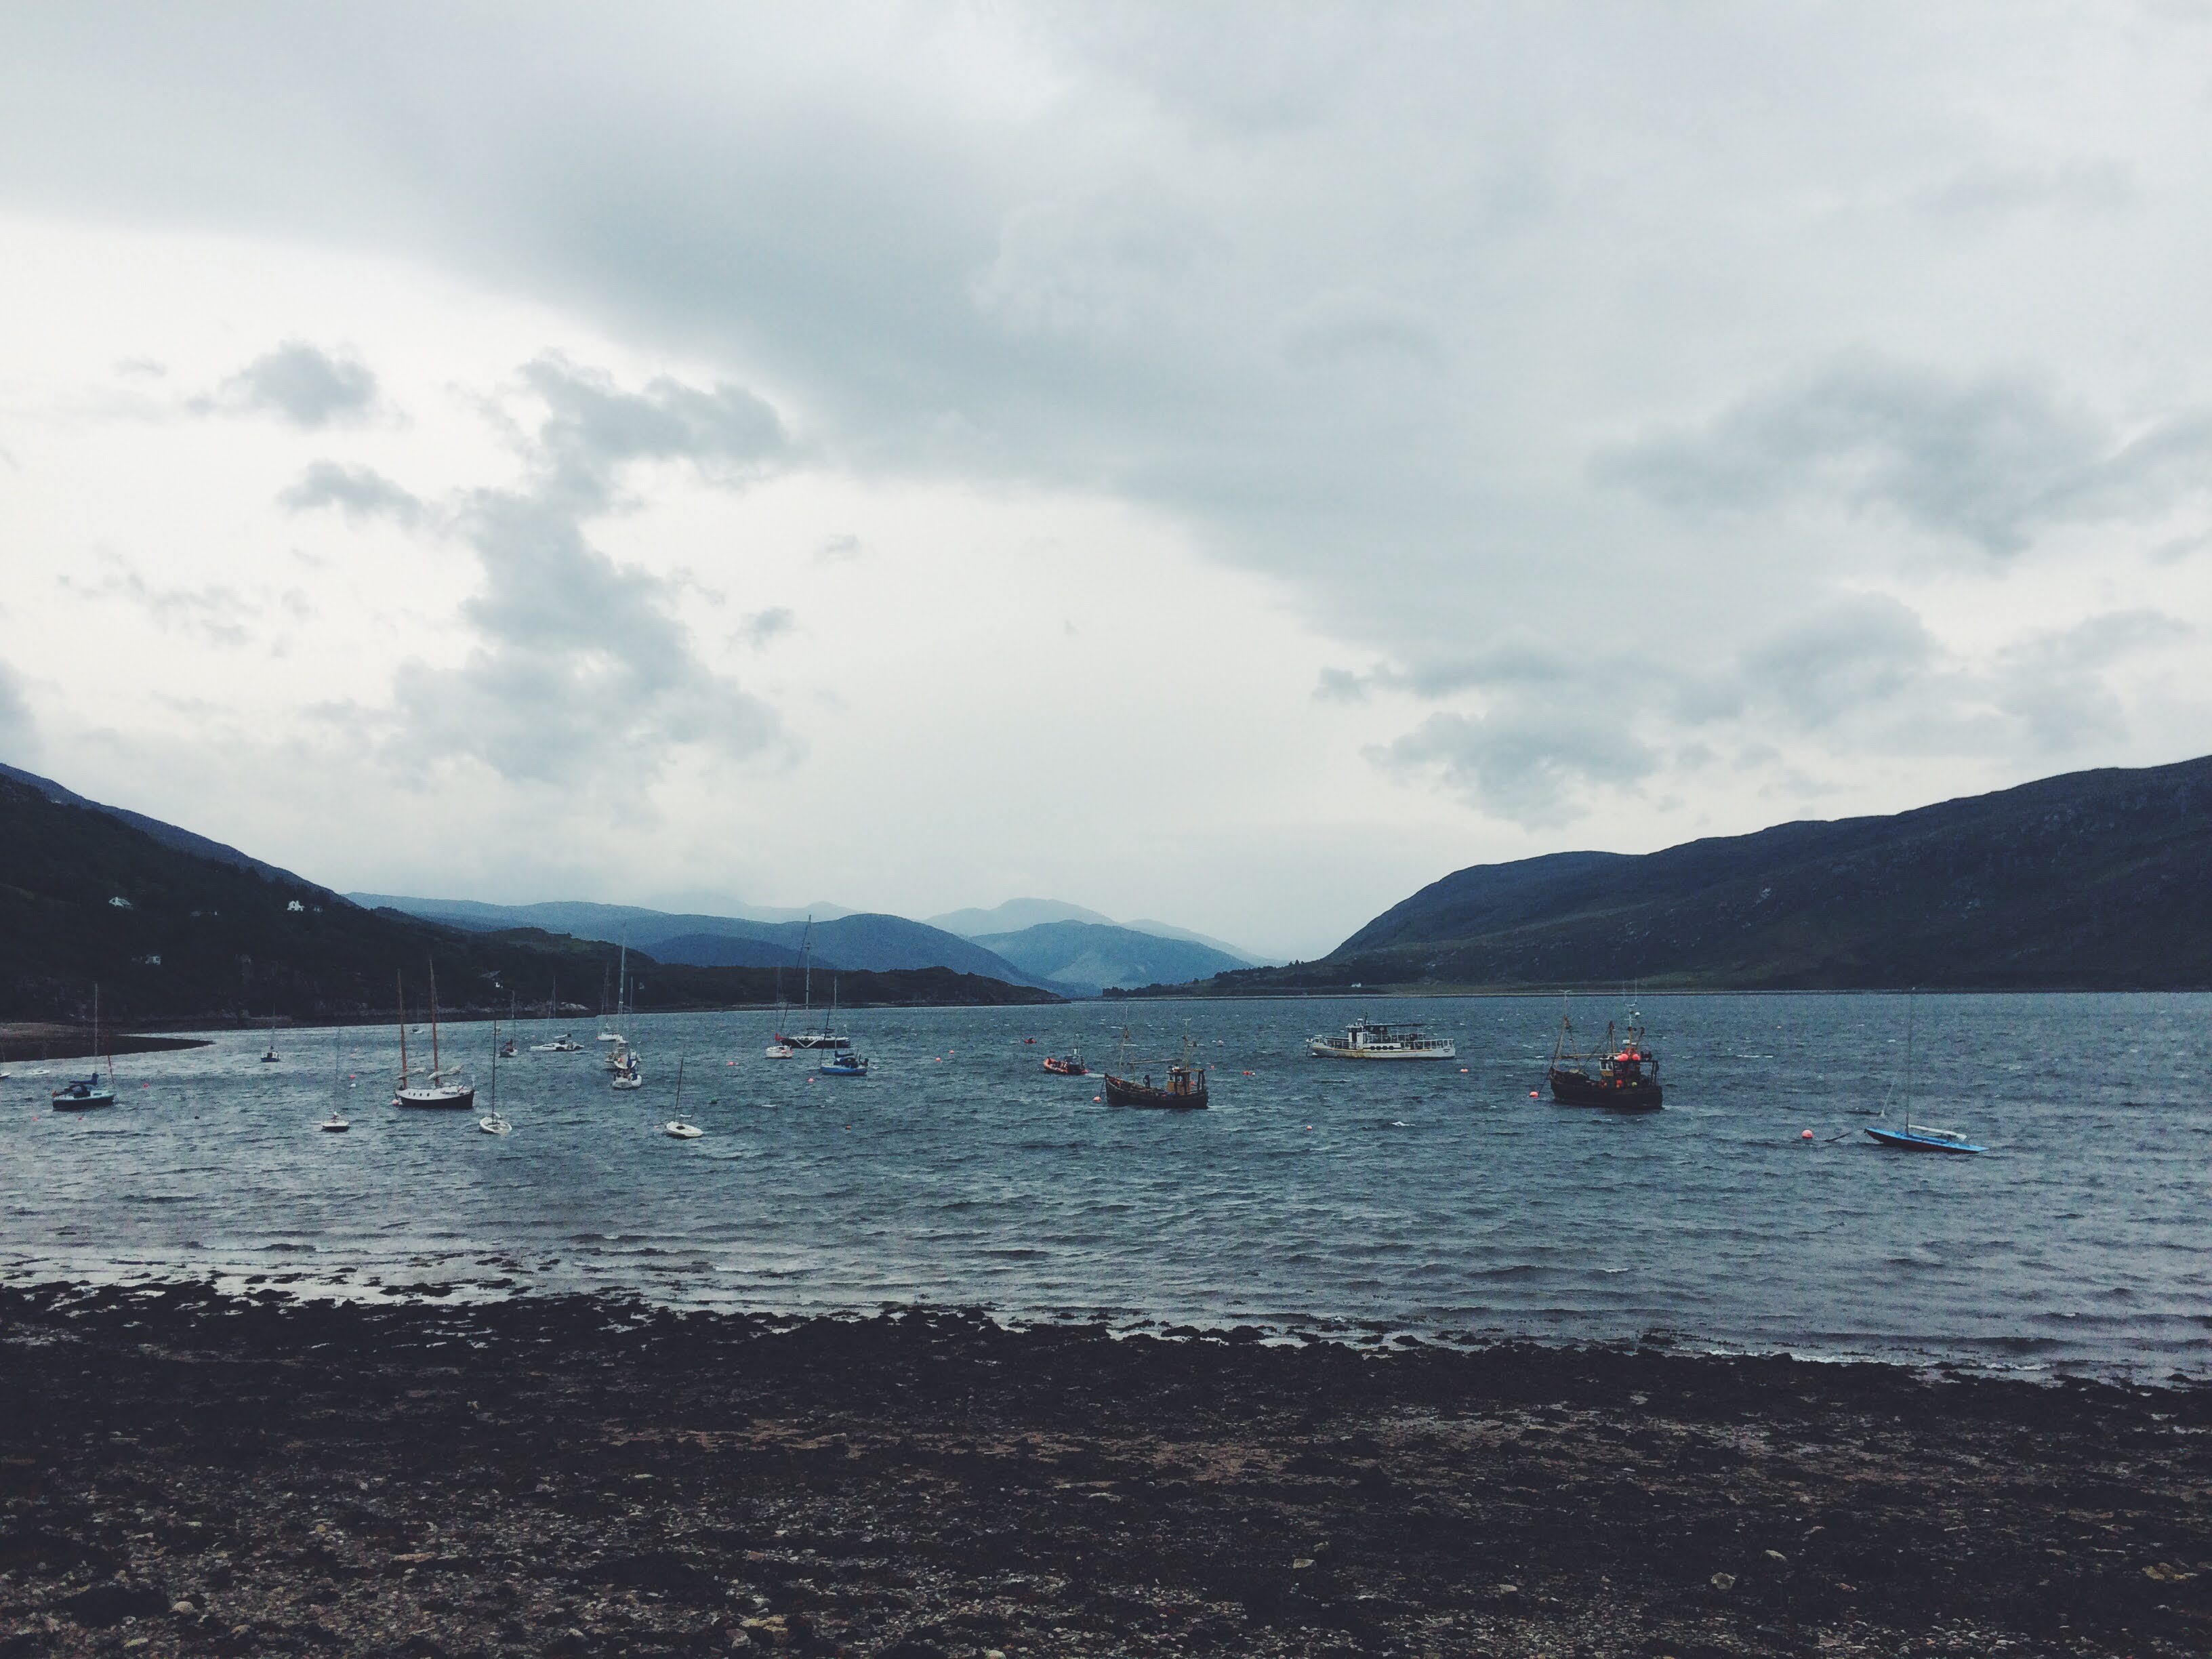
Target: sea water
point(1440, 1200)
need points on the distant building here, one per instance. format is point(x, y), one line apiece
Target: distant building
point(296, 905)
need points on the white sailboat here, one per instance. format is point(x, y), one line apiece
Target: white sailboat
point(563, 1044)
point(677, 1128)
point(335, 1123)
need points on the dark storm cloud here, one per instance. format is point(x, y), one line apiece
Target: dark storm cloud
point(1994, 459)
point(362, 493)
point(304, 384)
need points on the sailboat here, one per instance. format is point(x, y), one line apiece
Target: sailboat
point(677, 1128)
point(563, 1044)
point(1918, 1137)
point(86, 1094)
point(435, 1093)
point(820, 1036)
point(494, 1122)
point(848, 1061)
point(271, 1054)
point(335, 1123)
point(780, 1049)
point(619, 1057)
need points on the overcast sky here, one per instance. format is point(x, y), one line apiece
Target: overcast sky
point(1227, 464)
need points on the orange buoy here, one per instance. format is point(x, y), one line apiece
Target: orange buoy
point(1805, 1136)
point(1532, 1094)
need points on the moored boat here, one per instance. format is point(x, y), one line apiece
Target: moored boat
point(1918, 1137)
point(1067, 1065)
point(1184, 1090)
point(435, 1093)
point(1366, 1039)
point(823, 1036)
point(87, 1094)
point(1626, 1078)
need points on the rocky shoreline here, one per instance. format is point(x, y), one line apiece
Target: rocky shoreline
point(182, 1472)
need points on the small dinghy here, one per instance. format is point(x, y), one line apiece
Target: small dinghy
point(1067, 1065)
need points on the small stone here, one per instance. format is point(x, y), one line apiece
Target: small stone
point(1776, 1555)
point(183, 1609)
point(1724, 1581)
point(1302, 1563)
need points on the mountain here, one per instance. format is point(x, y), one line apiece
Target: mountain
point(1017, 914)
point(849, 943)
point(2094, 880)
point(1091, 957)
point(182, 840)
point(173, 935)
point(1013, 916)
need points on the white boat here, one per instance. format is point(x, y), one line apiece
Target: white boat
point(563, 1044)
point(435, 1093)
point(629, 1078)
point(1372, 1040)
point(778, 1051)
point(86, 1095)
point(677, 1128)
point(334, 1125)
point(495, 1123)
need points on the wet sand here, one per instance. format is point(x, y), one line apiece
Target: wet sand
point(181, 1473)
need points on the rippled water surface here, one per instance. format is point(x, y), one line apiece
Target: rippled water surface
point(1423, 1197)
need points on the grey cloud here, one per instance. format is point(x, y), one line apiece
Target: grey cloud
point(362, 493)
point(581, 667)
point(840, 549)
point(1361, 324)
point(761, 626)
point(1340, 685)
point(1986, 189)
point(593, 428)
point(1857, 654)
point(2054, 685)
point(1994, 460)
point(304, 384)
point(215, 613)
point(1526, 761)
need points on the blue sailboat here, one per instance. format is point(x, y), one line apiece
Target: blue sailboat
point(1922, 1137)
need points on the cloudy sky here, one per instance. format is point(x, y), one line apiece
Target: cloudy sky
point(1230, 463)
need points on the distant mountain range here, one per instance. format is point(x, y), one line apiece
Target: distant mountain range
point(1016, 915)
point(175, 928)
point(2094, 880)
point(1093, 955)
point(1049, 945)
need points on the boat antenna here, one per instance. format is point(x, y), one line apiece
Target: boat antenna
point(1912, 998)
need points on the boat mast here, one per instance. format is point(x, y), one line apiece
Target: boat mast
point(399, 989)
point(435, 1066)
point(1912, 998)
point(806, 961)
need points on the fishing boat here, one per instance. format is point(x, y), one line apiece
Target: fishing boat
point(1622, 1077)
point(1919, 1137)
point(679, 1127)
point(87, 1094)
point(1367, 1039)
point(435, 1093)
point(1067, 1065)
point(1185, 1090)
point(820, 1036)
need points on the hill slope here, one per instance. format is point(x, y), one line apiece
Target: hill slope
point(849, 943)
point(2094, 880)
point(182, 840)
point(1091, 957)
point(209, 938)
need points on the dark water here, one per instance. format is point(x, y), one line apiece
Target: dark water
point(1416, 1197)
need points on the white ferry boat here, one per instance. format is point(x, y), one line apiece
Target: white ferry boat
point(1368, 1039)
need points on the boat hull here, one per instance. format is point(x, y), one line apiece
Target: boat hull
point(1119, 1091)
point(1321, 1048)
point(813, 1040)
point(1067, 1068)
point(1898, 1140)
point(1579, 1088)
point(91, 1103)
point(434, 1100)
